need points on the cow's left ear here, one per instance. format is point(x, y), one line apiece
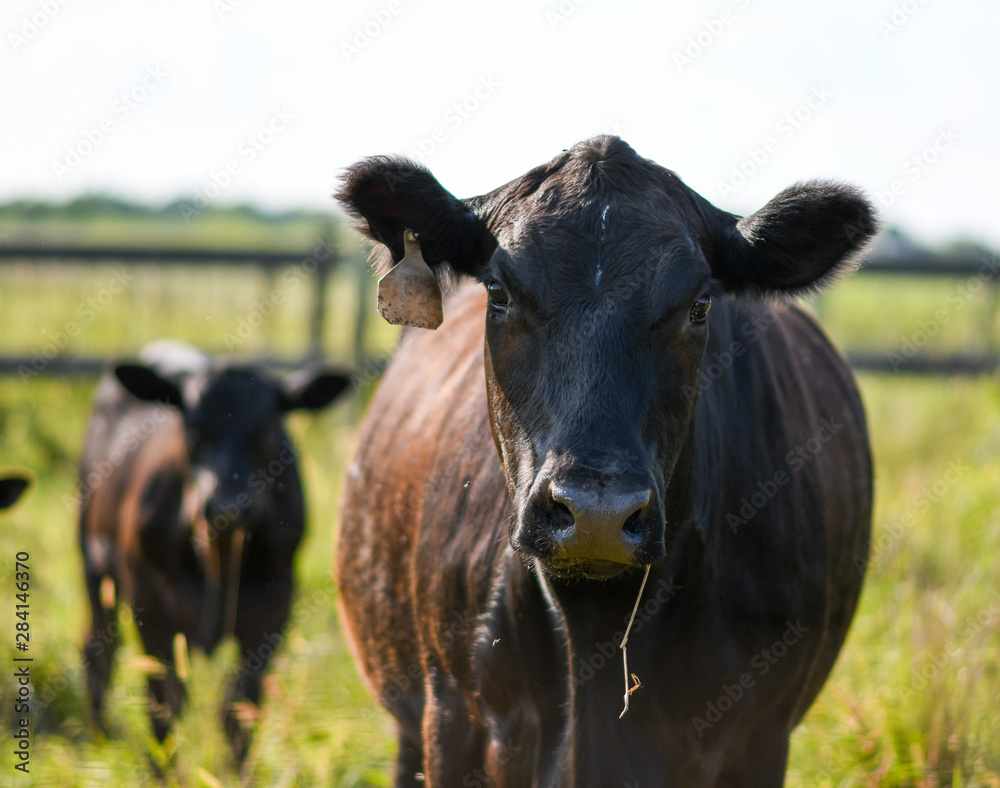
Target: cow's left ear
point(11, 488)
point(392, 194)
point(311, 389)
point(400, 204)
point(803, 238)
point(148, 385)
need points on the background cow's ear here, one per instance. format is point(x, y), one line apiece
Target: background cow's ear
point(11, 488)
point(312, 390)
point(145, 384)
point(801, 240)
point(390, 194)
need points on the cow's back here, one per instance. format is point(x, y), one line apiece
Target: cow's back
point(131, 471)
point(424, 471)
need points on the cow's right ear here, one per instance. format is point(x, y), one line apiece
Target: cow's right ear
point(11, 488)
point(391, 195)
point(312, 389)
point(143, 383)
point(800, 240)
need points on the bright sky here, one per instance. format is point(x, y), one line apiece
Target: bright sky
point(267, 101)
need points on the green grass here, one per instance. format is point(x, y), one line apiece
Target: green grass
point(913, 701)
point(915, 697)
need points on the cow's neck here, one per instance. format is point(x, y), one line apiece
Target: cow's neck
point(596, 616)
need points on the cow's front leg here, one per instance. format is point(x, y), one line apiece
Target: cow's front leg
point(102, 640)
point(409, 759)
point(261, 629)
point(454, 745)
point(167, 694)
point(166, 698)
point(761, 762)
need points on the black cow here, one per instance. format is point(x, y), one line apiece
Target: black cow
point(191, 511)
point(496, 526)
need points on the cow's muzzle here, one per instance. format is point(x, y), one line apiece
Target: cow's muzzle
point(591, 530)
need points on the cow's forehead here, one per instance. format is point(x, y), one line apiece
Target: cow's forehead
point(597, 203)
point(612, 248)
point(596, 225)
point(231, 395)
point(596, 181)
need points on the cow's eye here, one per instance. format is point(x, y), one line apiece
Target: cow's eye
point(699, 310)
point(196, 440)
point(497, 294)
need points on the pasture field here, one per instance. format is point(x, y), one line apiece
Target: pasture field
point(914, 699)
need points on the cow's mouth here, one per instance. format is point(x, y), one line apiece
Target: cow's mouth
point(581, 568)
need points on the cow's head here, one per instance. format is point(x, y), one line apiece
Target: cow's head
point(600, 268)
point(238, 451)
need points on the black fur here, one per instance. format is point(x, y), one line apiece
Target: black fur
point(390, 194)
point(804, 238)
point(496, 525)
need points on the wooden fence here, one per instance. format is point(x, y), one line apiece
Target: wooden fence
point(319, 267)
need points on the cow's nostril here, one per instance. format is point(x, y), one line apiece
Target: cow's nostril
point(633, 525)
point(561, 517)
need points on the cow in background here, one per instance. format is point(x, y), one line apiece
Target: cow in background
point(191, 512)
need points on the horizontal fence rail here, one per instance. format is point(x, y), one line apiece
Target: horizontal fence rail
point(319, 263)
point(975, 267)
point(322, 260)
point(101, 255)
point(927, 264)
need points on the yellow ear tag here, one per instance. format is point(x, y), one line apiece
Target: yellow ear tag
point(409, 295)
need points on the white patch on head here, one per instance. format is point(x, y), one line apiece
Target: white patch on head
point(99, 553)
point(604, 217)
point(171, 358)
